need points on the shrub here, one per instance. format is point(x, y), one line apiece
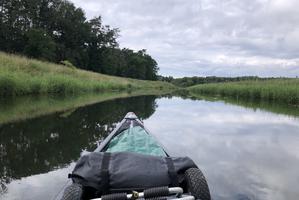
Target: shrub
point(68, 64)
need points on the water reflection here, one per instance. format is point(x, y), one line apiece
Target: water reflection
point(245, 153)
point(51, 142)
point(271, 106)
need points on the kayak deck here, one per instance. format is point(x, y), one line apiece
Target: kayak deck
point(131, 136)
point(135, 139)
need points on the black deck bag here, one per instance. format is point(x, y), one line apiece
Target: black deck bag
point(116, 171)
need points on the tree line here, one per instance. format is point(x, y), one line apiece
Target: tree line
point(190, 81)
point(56, 30)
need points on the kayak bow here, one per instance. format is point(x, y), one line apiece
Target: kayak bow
point(131, 136)
point(131, 164)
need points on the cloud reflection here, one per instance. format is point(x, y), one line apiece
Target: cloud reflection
point(245, 154)
point(45, 186)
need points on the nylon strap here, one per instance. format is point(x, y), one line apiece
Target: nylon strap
point(105, 173)
point(171, 172)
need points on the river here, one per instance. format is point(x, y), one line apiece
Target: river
point(245, 153)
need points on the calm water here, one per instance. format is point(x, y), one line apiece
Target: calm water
point(244, 153)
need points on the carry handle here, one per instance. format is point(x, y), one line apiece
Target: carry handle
point(148, 193)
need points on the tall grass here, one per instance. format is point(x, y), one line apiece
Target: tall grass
point(22, 76)
point(276, 90)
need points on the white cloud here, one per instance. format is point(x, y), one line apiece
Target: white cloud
point(255, 37)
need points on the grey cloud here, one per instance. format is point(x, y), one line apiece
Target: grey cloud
point(257, 37)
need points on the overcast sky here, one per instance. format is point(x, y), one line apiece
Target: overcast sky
point(208, 37)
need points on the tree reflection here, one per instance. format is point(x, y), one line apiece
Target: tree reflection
point(43, 144)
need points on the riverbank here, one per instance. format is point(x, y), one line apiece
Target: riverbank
point(22, 76)
point(284, 91)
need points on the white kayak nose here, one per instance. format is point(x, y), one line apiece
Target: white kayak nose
point(131, 115)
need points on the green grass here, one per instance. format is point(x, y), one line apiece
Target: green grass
point(277, 90)
point(22, 76)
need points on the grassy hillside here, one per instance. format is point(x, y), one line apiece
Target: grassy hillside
point(22, 76)
point(277, 90)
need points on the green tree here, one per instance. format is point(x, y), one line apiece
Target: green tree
point(101, 40)
point(39, 45)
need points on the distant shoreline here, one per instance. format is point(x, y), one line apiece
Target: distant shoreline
point(284, 91)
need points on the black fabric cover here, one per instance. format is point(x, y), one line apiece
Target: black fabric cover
point(128, 170)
